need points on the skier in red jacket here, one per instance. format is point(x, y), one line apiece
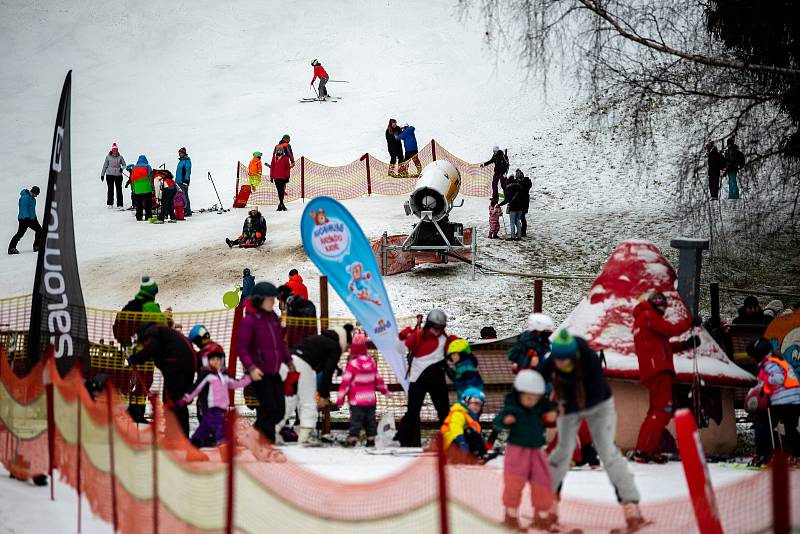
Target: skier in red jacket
point(319, 72)
point(651, 337)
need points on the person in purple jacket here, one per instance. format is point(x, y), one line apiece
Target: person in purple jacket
point(262, 350)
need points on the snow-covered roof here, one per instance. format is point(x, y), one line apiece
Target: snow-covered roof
point(605, 317)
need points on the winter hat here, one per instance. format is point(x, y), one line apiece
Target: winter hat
point(563, 346)
point(774, 308)
point(495, 148)
point(114, 146)
point(257, 154)
point(539, 322)
point(246, 272)
point(750, 300)
point(149, 285)
point(359, 345)
point(182, 149)
point(759, 348)
point(285, 137)
point(488, 332)
point(35, 190)
point(518, 174)
point(293, 272)
point(529, 381)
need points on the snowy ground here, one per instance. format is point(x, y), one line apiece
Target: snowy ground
point(25, 508)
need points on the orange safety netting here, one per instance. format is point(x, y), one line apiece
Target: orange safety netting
point(364, 176)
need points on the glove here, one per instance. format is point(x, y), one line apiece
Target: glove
point(692, 342)
point(290, 384)
point(182, 402)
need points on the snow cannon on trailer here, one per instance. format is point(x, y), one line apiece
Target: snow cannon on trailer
point(434, 239)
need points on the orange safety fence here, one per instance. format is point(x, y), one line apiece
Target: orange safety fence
point(142, 484)
point(367, 175)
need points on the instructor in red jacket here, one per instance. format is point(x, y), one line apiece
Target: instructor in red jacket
point(651, 337)
point(319, 72)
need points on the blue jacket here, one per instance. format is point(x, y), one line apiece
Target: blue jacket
point(247, 285)
point(184, 170)
point(142, 162)
point(27, 205)
point(408, 138)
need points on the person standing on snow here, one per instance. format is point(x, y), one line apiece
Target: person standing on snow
point(716, 162)
point(27, 219)
point(262, 350)
point(500, 161)
point(651, 337)
point(394, 145)
point(299, 315)
point(525, 201)
point(409, 140)
point(112, 173)
point(279, 172)
point(581, 390)
point(427, 347)
point(734, 160)
point(287, 148)
point(142, 188)
point(254, 171)
point(183, 175)
point(296, 284)
point(319, 72)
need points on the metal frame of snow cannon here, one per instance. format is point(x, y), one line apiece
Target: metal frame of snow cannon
point(439, 183)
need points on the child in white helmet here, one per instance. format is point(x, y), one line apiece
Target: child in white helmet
point(524, 412)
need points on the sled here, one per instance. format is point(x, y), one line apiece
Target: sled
point(242, 197)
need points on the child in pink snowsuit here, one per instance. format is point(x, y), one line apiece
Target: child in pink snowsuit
point(359, 382)
point(495, 212)
point(179, 204)
point(213, 422)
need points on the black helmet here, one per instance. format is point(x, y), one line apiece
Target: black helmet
point(284, 293)
point(314, 62)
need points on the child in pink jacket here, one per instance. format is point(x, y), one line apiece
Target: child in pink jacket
point(495, 212)
point(218, 382)
point(359, 382)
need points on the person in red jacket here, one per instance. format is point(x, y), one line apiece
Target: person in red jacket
point(319, 72)
point(651, 337)
point(296, 284)
point(279, 172)
point(427, 347)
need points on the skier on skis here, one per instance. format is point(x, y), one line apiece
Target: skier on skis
point(651, 337)
point(319, 72)
point(581, 390)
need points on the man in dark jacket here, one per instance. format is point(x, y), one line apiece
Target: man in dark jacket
point(500, 161)
point(525, 184)
point(581, 391)
point(651, 337)
point(716, 162)
point(518, 199)
point(177, 360)
point(317, 354)
point(183, 176)
point(301, 315)
point(751, 313)
point(27, 219)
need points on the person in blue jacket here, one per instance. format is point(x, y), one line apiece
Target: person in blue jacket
point(182, 177)
point(409, 140)
point(27, 219)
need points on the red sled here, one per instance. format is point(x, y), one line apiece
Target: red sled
point(242, 197)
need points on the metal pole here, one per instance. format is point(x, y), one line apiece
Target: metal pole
point(215, 190)
point(154, 448)
point(384, 253)
point(474, 239)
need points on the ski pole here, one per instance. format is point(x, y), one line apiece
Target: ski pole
point(215, 190)
point(338, 81)
point(771, 430)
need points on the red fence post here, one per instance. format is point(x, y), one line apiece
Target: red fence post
point(236, 191)
point(78, 448)
point(780, 494)
point(113, 471)
point(51, 438)
point(433, 149)
point(365, 157)
point(238, 313)
point(230, 453)
point(441, 461)
point(153, 427)
point(537, 296)
point(303, 177)
point(323, 303)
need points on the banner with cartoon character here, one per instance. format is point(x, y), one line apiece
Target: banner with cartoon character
point(336, 244)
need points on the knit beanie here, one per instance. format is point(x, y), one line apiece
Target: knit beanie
point(359, 345)
point(563, 346)
point(149, 285)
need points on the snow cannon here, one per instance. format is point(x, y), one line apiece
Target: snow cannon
point(434, 239)
point(435, 192)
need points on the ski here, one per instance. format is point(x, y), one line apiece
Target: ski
point(331, 99)
point(630, 530)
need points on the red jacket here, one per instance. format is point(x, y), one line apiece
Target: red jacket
point(319, 72)
point(280, 169)
point(297, 286)
point(421, 342)
point(651, 335)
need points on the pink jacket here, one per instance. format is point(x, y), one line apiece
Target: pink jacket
point(218, 386)
point(179, 201)
point(359, 382)
point(495, 212)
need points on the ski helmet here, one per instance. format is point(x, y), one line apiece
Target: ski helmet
point(437, 316)
point(529, 381)
point(197, 333)
point(472, 394)
point(314, 62)
point(459, 345)
point(539, 322)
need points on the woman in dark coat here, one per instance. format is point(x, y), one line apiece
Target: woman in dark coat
point(394, 145)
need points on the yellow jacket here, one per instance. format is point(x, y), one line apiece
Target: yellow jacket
point(458, 420)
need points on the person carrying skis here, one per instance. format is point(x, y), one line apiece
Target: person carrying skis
point(581, 390)
point(27, 219)
point(500, 161)
point(183, 175)
point(112, 173)
point(319, 72)
point(464, 373)
point(142, 187)
point(409, 140)
point(524, 412)
point(394, 145)
point(359, 384)
point(716, 162)
point(651, 338)
point(426, 347)
point(461, 430)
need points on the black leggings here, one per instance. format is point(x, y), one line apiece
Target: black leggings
point(280, 186)
point(395, 157)
point(24, 224)
point(271, 404)
point(431, 381)
point(114, 183)
point(177, 384)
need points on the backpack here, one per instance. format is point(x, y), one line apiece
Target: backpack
point(124, 326)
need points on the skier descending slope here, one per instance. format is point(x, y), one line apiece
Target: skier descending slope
point(319, 72)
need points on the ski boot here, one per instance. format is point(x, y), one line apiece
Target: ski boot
point(370, 442)
point(645, 458)
point(545, 521)
point(511, 522)
point(229, 242)
point(13, 251)
point(352, 441)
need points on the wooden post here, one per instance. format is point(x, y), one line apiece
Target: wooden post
point(537, 296)
point(433, 149)
point(441, 472)
point(303, 177)
point(323, 303)
point(365, 158)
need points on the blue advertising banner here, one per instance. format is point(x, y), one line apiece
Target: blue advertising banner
point(338, 247)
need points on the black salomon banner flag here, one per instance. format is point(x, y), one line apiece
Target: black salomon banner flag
point(58, 316)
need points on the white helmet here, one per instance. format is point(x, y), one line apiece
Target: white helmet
point(529, 381)
point(437, 316)
point(539, 322)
